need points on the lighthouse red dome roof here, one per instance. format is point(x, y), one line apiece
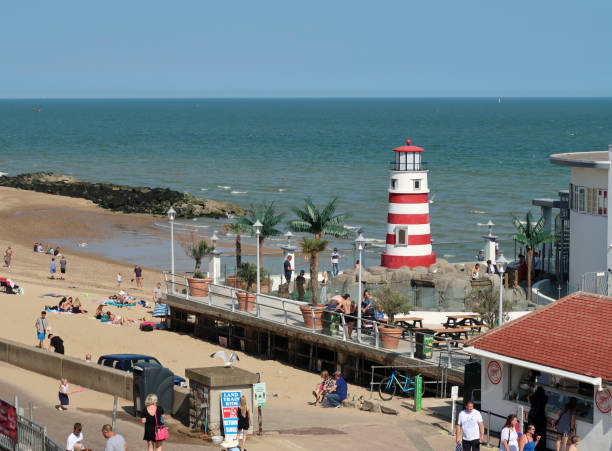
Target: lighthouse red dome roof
point(408, 148)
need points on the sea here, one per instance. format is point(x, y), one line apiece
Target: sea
point(487, 157)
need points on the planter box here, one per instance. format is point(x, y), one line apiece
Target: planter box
point(198, 287)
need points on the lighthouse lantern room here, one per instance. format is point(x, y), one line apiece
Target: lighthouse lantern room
point(408, 233)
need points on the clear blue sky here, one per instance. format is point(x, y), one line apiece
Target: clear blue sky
point(315, 48)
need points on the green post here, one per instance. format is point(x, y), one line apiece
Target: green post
point(418, 393)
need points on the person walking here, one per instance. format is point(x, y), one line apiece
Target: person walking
point(470, 428)
point(119, 280)
point(288, 269)
point(8, 256)
point(529, 440)
point(244, 421)
point(63, 395)
point(508, 440)
point(537, 415)
point(300, 284)
point(152, 417)
point(114, 442)
point(41, 328)
point(52, 268)
point(566, 422)
point(324, 284)
point(138, 276)
point(75, 436)
point(63, 267)
point(335, 261)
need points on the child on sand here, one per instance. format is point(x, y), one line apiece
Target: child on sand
point(63, 395)
point(52, 269)
point(118, 280)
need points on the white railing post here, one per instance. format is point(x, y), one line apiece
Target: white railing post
point(285, 311)
point(257, 302)
point(166, 282)
point(376, 334)
point(232, 296)
point(209, 294)
point(187, 291)
point(312, 313)
point(412, 337)
point(448, 347)
point(343, 327)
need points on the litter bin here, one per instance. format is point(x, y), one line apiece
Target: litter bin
point(153, 378)
point(424, 345)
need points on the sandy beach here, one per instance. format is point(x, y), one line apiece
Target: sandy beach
point(26, 217)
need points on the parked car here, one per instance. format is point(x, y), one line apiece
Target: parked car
point(126, 362)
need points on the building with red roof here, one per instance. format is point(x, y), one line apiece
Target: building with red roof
point(565, 347)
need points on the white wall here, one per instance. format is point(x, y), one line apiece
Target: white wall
point(596, 436)
point(588, 233)
point(405, 182)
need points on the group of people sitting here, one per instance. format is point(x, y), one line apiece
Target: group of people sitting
point(67, 305)
point(109, 317)
point(331, 391)
point(9, 286)
point(39, 247)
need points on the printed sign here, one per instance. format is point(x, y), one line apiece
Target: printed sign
point(494, 371)
point(8, 421)
point(418, 393)
point(230, 401)
point(454, 392)
point(259, 394)
point(603, 400)
point(223, 341)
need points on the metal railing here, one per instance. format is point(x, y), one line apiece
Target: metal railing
point(333, 323)
point(30, 435)
point(407, 166)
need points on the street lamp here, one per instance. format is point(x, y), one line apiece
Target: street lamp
point(288, 235)
point(171, 215)
point(257, 226)
point(359, 244)
point(501, 263)
point(214, 238)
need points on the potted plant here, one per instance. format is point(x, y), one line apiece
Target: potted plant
point(247, 274)
point(197, 249)
point(312, 247)
point(391, 303)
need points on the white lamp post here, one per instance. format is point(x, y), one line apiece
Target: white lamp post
point(171, 215)
point(214, 240)
point(257, 226)
point(502, 263)
point(359, 244)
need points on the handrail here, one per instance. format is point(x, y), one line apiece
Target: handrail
point(291, 307)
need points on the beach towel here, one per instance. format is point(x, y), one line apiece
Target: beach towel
point(161, 310)
point(118, 304)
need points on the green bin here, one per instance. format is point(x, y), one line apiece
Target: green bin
point(424, 346)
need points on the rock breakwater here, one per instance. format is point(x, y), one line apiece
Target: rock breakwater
point(123, 198)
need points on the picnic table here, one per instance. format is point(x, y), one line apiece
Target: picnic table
point(404, 323)
point(472, 321)
point(440, 335)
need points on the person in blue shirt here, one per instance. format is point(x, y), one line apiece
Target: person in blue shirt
point(337, 392)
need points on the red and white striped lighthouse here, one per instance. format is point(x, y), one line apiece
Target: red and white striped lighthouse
point(408, 235)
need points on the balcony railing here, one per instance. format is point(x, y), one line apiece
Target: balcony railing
point(409, 166)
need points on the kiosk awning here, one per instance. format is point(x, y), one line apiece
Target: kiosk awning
point(596, 381)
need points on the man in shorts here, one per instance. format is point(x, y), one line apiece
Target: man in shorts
point(41, 327)
point(138, 276)
point(288, 269)
point(63, 267)
point(470, 428)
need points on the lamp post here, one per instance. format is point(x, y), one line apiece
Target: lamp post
point(501, 268)
point(359, 244)
point(214, 238)
point(171, 215)
point(257, 226)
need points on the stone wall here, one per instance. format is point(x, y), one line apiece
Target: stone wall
point(198, 402)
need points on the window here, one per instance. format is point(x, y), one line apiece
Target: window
point(602, 202)
point(417, 184)
point(401, 236)
point(393, 183)
point(579, 199)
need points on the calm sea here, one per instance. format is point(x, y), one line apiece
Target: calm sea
point(487, 159)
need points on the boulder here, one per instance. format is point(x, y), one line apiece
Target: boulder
point(388, 410)
point(370, 406)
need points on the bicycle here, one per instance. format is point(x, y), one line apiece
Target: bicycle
point(388, 386)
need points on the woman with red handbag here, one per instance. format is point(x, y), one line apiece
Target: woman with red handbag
point(155, 429)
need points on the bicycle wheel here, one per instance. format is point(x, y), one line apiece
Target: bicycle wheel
point(386, 389)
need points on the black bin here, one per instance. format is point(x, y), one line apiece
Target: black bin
point(152, 378)
point(424, 344)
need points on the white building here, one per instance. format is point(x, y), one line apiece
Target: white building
point(590, 233)
point(566, 348)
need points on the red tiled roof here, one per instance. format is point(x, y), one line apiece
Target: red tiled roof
point(572, 334)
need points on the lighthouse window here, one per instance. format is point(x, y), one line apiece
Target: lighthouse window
point(401, 238)
point(393, 183)
point(417, 184)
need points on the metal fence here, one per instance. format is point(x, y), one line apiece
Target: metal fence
point(595, 282)
point(335, 324)
point(30, 436)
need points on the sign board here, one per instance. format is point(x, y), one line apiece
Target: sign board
point(223, 341)
point(8, 421)
point(259, 394)
point(418, 393)
point(230, 401)
point(603, 401)
point(454, 392)
point(494, 371)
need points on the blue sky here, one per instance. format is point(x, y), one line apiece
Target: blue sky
point(305, 49)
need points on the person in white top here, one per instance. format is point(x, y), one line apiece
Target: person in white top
point(509, 437)
point(470, 428)
point(76, 436)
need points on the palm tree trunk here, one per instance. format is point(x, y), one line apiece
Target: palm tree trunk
point(261, 241)
point(529, 254)
point(238, 251)
point(314, 271)
point(198, 263)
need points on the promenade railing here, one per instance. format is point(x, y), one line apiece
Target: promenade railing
point(23, 433)
point(336, 324)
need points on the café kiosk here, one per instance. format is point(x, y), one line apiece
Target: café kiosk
point(565, 347)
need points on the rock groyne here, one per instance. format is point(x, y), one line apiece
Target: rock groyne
point(123, 198)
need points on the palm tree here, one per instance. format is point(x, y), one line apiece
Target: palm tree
point(266, 214)
point(235, 227)
point(198, 250)
point(312, 247)
point(318, 222)
point(531, 235)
